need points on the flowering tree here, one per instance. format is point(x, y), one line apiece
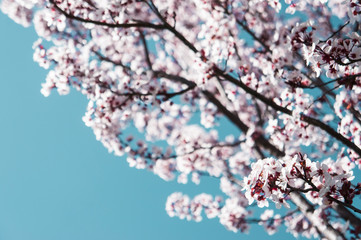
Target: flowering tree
point(179, 71)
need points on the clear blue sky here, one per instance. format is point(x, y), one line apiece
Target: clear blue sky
point(58, 183)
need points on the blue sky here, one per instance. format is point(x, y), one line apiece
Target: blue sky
point(57, 182)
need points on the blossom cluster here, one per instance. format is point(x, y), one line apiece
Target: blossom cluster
point(232, 214)
point(325, 181)
point(236, 90)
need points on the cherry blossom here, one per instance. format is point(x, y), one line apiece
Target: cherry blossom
point(263, 96)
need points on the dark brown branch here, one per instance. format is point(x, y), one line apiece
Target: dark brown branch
point(249, 31)
point(103, 58)
point(293, 189)
point(146, 51)
point(167, 95)
point(182, 38)
point(356, 114)
point(347, 215)
point(136, 23)
point(345, 204)
point(336, 32)
point(172, 28)
point(176, 78)
point(351, 61)
point(260, 140)
point(222, 145)
point(310, 120)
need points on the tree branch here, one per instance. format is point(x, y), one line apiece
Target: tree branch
point(136, 23)
point(310, 120)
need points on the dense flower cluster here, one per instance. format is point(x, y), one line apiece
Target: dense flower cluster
point(326, 181)
point(237, 90)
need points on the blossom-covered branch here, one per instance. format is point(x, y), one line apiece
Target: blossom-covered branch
point(236, 90)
